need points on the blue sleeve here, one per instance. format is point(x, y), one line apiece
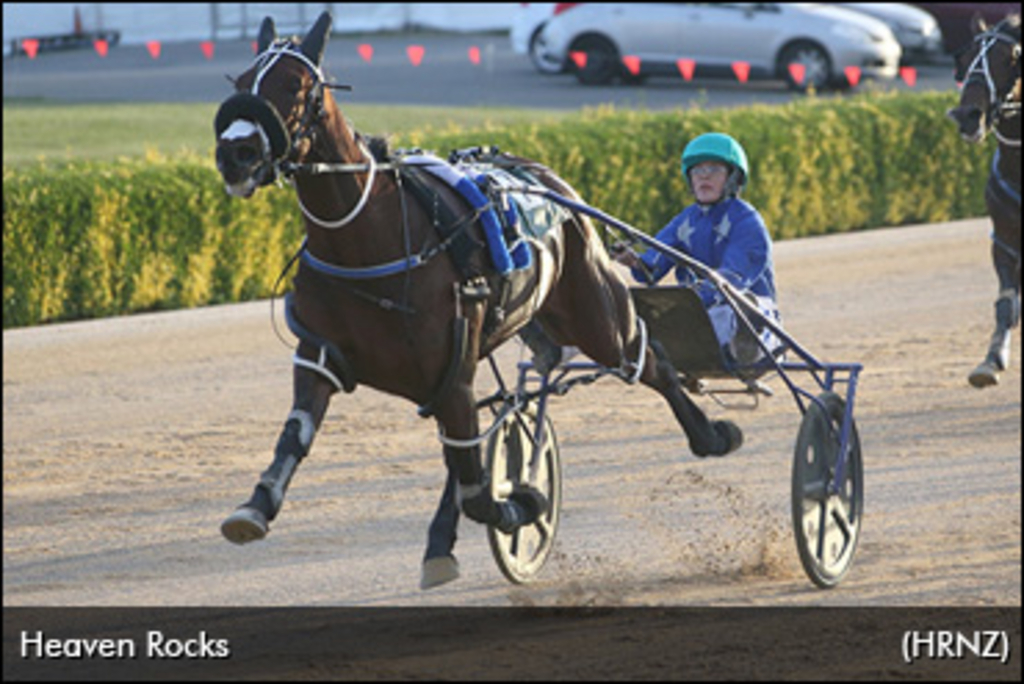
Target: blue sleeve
point(748, 253)
point(657, 263)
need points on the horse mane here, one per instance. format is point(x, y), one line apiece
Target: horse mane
point(378, 145)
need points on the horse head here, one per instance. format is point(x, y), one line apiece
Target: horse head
point(277, 111)
point(989, 69)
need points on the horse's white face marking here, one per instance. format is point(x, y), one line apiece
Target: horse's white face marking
point(243, 190)
point(239, 129)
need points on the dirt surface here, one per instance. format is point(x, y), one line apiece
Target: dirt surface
point(127, 441)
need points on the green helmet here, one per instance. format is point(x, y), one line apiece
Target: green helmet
point(716, 147)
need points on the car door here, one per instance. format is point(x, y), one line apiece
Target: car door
point(648, 30)
point(718, 34)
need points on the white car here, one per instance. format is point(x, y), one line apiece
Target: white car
point(917, 30)
point(527, 23)
point(808, 44)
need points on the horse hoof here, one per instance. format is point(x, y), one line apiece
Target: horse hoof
point(983, 376)
point(438, 571)
point(244, 525)
point(732, 435)
point(531, 500)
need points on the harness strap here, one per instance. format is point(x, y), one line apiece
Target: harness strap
point(460, 328)
point(381, 271)
point(331, 362)
point(349, 217)
point(1001, 182)
point(1003, 245)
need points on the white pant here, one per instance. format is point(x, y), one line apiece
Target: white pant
point(724, 321)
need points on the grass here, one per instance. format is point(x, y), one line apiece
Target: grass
point(40, 131)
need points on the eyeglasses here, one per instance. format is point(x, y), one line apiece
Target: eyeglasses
point(707, 170)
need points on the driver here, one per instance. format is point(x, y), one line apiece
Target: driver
point(725, 233)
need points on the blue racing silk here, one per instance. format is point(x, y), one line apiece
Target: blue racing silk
point(728, 236)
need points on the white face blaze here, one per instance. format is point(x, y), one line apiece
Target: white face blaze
point(239, 129)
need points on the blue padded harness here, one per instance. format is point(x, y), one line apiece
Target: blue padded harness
point(381, 271)
point(468, 186)
point(503, 259)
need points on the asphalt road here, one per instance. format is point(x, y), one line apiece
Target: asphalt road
point(445, 77)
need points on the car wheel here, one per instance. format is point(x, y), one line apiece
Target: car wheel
point(542, 62)
point(602, 60)
point(816, 63)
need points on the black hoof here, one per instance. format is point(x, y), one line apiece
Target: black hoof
point(730, 439)
point(533, 503)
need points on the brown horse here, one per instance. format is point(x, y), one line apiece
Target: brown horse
point(385, 297)
point(989, 68)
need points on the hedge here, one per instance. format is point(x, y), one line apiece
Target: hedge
point(93, 239)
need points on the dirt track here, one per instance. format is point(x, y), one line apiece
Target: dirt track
point(127, 441)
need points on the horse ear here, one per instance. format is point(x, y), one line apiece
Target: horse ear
point(978, 24)
point(316, 40)
point(267, 35)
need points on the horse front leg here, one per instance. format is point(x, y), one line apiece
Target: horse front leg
point(439, 563)
point(250, 521)
point(1007, 314)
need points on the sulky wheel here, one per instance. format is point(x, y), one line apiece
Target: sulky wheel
point(826, 525)
point(522, 554)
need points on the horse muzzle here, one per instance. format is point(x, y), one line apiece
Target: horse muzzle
point(243, 165)
point(970, 121)
point(251, 138)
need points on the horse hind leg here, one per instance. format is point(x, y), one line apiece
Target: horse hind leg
point(707, 437)
point(251, 521)
point(608, 335)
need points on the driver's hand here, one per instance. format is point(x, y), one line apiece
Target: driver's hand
point(625, 255)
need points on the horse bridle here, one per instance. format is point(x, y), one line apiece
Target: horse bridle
point(999, 104)
point(279, 146)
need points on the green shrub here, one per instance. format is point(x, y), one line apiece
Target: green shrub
point(103, 238)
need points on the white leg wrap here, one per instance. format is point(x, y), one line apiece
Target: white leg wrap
point(276, 486)
point(308, 427)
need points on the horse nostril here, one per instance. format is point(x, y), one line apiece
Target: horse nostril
point(245, 155)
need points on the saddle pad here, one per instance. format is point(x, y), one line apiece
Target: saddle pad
point(536, 215)
point(504, 257)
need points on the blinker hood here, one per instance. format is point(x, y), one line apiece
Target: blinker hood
point(249, 107)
